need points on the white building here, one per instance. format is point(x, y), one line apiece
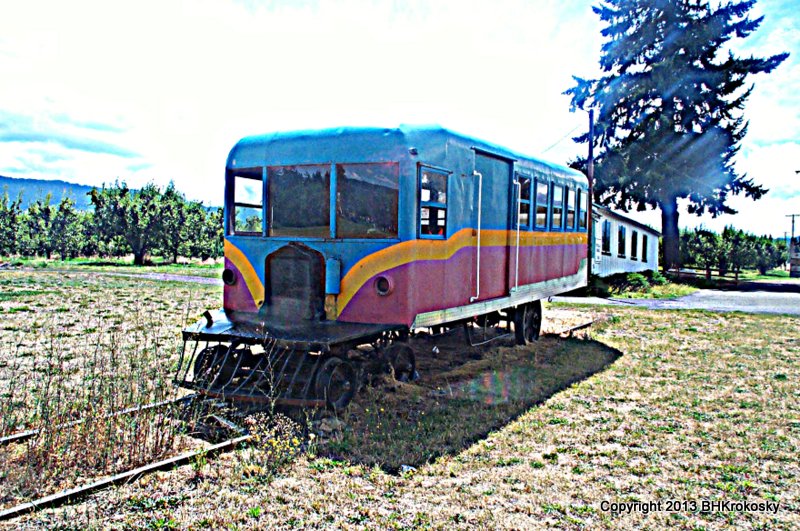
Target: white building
point(622, 245)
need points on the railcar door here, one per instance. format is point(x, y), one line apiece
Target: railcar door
point(492, 253)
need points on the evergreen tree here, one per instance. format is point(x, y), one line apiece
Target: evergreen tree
point(670, 107)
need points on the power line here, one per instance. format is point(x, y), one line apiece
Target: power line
point(561, 139)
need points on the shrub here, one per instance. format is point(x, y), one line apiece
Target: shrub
point(637, 282)
point(657, 279)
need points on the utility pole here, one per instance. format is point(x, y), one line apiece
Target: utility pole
point(589, 220)
point(788, 216)
point(794, 252)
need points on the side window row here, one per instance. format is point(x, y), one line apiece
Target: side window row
point(566, 206)
point(546, 205)
point(605, 245)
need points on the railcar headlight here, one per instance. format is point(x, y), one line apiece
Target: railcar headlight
point(384, 285)
point(228, 277)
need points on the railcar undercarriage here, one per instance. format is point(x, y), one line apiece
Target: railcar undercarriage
point(261, 365)
point(318, 364)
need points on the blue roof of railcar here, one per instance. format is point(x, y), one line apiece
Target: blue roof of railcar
point(417, 136)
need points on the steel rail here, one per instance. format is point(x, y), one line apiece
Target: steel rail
point(27, 434)
point(570, 330)
point(73, 494)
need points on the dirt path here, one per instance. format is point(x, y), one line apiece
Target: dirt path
point(753, 297)
point(169, 277)
point(166, 277)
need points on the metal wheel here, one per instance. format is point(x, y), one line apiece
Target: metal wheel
point(402, 361)
point(528, 322)
point(211, 367)
point(336, 383)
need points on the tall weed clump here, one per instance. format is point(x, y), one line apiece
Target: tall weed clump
point(67, 393)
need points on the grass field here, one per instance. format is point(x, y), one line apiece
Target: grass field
point(210, 268)
point(654, 406)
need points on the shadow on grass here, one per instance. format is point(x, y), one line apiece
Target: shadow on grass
point(463, 395)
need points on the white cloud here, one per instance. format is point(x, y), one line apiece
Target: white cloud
point(179, 82)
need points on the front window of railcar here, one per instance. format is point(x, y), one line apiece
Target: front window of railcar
point(299, 201)
point(248, 203)
point(366, 200)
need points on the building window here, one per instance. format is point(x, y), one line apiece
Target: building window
point(606, 245)
point(248, 201)
point(542, 199)
point(524, 221)
point(366, 200)
point(583, 213)
point(644, 247)
point(557, 219)
point(621, 242)
point(634, 245)
point(432, 203)
point(299, 201)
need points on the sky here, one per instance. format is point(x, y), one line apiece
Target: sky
point(94, 92)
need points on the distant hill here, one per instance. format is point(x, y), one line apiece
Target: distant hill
point(33, 189)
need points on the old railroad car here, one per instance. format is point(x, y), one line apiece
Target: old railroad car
point(355, 236)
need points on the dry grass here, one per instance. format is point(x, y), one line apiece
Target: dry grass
point(655, 406)
point(78, 346)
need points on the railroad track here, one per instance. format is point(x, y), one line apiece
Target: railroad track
point(569, 331)
point(22, 436)
point(69, 495)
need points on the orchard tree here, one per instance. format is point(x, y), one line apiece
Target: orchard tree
point(132, 216)
point(36, 229)
point(701, 247)
point(174, 230)
point(670, 107)
point(10, 214)
point(66, 231)
point(205, 240)
point(213, 235)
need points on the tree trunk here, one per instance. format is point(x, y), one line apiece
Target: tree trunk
point(138, 258)
point(669, 229)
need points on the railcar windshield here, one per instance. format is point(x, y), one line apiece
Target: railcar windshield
point(299, 201)
point(366, 200)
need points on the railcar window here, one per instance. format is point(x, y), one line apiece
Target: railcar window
point(299, 201)
point(634, 244)
point(571, 209)
point(366, 200)
point(524, 220)
point(644, 247)
point(432, 203)
point(582, 209)
point(558, 208)
point(248, 201)
point(542, 199)
point(621, 242)
point(606, 246)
